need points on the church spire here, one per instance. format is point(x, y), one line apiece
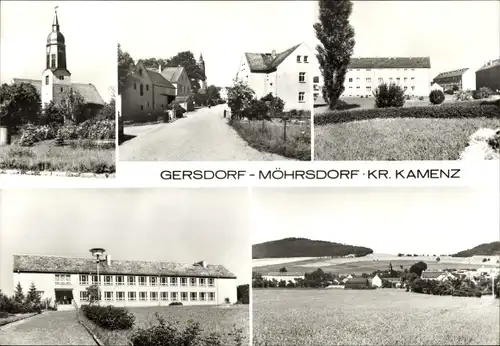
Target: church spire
point(55, 23)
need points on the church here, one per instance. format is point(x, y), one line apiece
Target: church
point(56, 78)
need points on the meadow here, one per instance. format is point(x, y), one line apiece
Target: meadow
point(319, 317)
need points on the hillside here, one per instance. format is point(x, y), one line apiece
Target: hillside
point(302, 247)
point(487, 249)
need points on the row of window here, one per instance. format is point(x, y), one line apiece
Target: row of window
point(302, 58)
point(369, 88)
point(108, 280)
point(369, 69)
point(381, 80)
point(153, 296)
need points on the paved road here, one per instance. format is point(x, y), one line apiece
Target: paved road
point(49, 328)
point(203, 135)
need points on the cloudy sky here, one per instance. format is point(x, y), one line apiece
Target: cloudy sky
point(181, 225)
point(387, 220)
point(90, 41)
point(455, 34)
point(221, 30)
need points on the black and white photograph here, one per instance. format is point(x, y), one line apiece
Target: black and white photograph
point(57, 98)
point(420, 80)
point(217, 81)
point(124, 267)
point(375, 266)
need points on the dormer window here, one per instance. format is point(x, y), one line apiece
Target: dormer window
point(298, 58)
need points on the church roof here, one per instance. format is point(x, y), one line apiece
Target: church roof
point(265, 63)
point(172, 73)
point(88, 91)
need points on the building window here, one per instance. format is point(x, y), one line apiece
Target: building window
point(405, 87)
point(412, 78)
point(203, 296)
point(143, 295)
point(173, 282)
point(357, 79)
point(61, 89)
point(184, 296)
point(131, 296)
point(142, 107)
point(53, 61)
point(193, 282)
point(141, 89)
point(350, 87)
point(211, 296)
point(120, 280)
point(298, 58)
point(350, 80)
point(135, 86)
point(413, 87)
point(211, 282)
point(368, 80)
point(63, 279)
point(120, 295)
point(153, 280)
point(143, 280)
point(413, 69)
point(305, 58)
point(301, 96)
point(46, 80)
point(368, 69)
point(84, 296)
point(390, 79)
point(203, 282)
point(316, 87)
point(84, 279)
point(140, 73)
point(174, 296)
point(358, 69)
point(405, 79)
point(131, 280)
point(184, 281)
point(163, 280)
point(316, 79)
point(406, 69)
point(163, 295)
point(108, 295)
point(147, 87)
point(108, 280)
point(153, 295)
point(193, 296)
point(358, 87)
point(381, 80)
point(61, 77)
point(398, 79)
point(302, 77)
point(94, 280)
point(368, 88)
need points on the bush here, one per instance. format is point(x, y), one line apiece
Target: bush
point(175, 304)
point(467, 110)
point(96, 129)
point(463, 95)
point(421, 98)
point(494, 142)
point(436, 97)
point(449, 92)
point(109, 317)
point(391, 95)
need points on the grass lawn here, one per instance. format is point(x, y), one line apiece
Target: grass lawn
point(371, 317)
point(396, 139)
point(211, 319)
point(44, 156)
point(269, 137)
point(14, 317)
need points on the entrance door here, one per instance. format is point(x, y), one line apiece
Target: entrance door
point(63, 296)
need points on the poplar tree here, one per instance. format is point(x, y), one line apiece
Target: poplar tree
point(336, 46)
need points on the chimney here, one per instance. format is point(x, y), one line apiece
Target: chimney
point(273, 53)
point(202, 264)
point(108, 260)
point(159, 68)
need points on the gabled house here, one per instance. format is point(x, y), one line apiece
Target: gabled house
point(180, 80)
point(489, 75)
point(287, 75)
point(376, 281)
point(146, 94)
point(461, 79)
point(358, 284)
point(438, 276)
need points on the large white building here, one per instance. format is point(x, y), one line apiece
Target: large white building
point(125, 283)
point(364, 75)
point(288, 75)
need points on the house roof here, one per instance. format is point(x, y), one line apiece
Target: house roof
point(290, 274)
point(396, 62)
point(357, 281)
point(172, 73)
point(158, 79)
point(73, 265)
point(182, 99)
point(491, 64)
point(88, 91)
point(265, 63)
point(431, 275)
point(454, 73)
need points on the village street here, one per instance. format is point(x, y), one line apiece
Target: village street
point(203, 135)
point(49, 328)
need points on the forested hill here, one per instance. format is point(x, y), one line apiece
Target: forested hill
point(487, 249)
point(302, 247)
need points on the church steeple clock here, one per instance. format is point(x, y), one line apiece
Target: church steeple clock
point(56, 77)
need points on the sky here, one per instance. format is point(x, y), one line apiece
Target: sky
point(221, 30)
point(387, 220)
point(178, 225)
point(88, 28)
point(455, 34)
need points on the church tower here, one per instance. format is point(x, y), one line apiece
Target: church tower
point(201, 64)
point(56, 78)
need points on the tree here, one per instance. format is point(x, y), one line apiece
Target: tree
point(239, 97)
point(418, 268)
point(283, 270)
point(186, 59)
point(275, 104)
point(21, 104)
point(336, 36)
point(94, 294)
point(213, 93)
point(19, 294)
point(52, 115)
point(33, 297)
point(73, 106)
point(108, 111)
point(243, 294)
point(389, 95)
point(126, 67)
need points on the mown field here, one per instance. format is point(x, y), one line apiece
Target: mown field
point(311, 317)
point(211, 319)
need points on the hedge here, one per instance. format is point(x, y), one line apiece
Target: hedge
point(109, 317)
point(475, 110)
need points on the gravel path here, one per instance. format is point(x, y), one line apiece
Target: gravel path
point(49, 328)
point(203, 135)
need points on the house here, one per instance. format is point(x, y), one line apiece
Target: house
point(376, 281)
point(180, 80)
point(462, 79)
point(364, 75)
point(56, 79)
point(489, 75)
point(347, 278)
point(358, 284)
point(287, 75)
point(437, 276)
point(146, 94)
point(285, 276)
point(125, 282)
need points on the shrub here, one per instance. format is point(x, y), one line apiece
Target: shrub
point(421, 98)
point(175, 304)
point(449, 92)
point(96, 129)
point(436, 97)
point(463, 95)
point(391, 95)
point(109, 317)
point(467, 110)
point(494, 142)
